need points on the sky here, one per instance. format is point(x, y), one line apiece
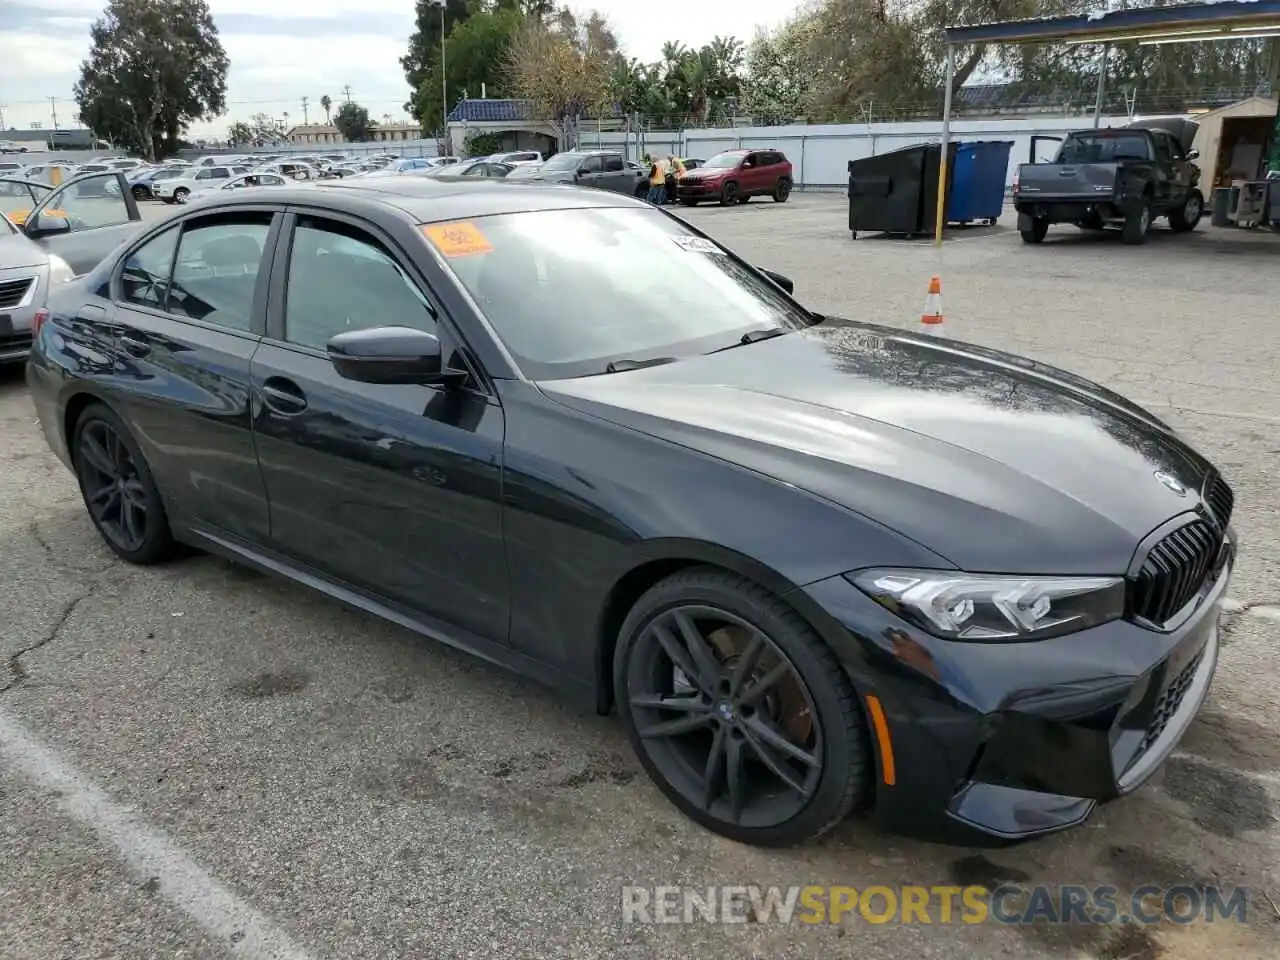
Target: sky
point(304, 48)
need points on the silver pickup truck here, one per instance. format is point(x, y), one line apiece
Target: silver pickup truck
point(1117, 176)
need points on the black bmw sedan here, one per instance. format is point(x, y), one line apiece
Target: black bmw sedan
point(817, 565)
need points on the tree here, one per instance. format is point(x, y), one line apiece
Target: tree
point(563, 68)
point(423, 56)
point(683, 85)
point(326, 104)
point(780, 76)
point(154, 67)
point(352, 121)
point(476, 51)
point(239, 133)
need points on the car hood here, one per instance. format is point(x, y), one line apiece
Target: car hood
point(994, 462)
point(17, 251)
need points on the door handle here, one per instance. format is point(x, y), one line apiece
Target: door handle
point(135, 347)
point(283, 396)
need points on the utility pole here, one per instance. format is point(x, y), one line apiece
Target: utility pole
point(346, 92)
point(3, 108)
point(53, 109)
point(304, 111)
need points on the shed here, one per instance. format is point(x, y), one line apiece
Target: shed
point(1232, 141)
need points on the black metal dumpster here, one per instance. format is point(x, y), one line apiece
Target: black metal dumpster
point(897, 192)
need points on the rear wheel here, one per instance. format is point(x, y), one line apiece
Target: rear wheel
point(118, 489)
point(782, 191)
point(1039, 229)
point(742, 716)
point(1187, 216)
point(1137, 222)
point(729, 194)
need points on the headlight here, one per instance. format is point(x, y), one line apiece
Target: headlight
point(984, 607)
point(59, 270)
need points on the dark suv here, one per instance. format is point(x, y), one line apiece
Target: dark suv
point(603, 169)
point(736, 176)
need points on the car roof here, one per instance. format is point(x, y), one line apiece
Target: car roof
point(428, 200)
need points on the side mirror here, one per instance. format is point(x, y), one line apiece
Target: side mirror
point(1193, 155)
point(47, 225)
point(786, 283)
point(387, 355)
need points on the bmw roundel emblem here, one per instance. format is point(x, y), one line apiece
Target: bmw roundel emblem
point(1170, 482)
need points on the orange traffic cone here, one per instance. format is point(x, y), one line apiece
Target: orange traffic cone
point(931, 319)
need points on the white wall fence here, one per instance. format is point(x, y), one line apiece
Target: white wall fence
point(820, 153)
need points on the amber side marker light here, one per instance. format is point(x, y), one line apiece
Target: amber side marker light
point(881, 725)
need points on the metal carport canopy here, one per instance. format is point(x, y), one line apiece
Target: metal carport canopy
point(1181, 23)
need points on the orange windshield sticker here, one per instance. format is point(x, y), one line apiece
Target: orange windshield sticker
point(459, 239)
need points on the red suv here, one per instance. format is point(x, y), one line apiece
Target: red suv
point(736, 176)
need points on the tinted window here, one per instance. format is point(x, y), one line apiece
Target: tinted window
point(614, 162)
point(145, 277)
point(342, 279)
point(91, 202)
point(217, 269)
point(592, 165)
point(1102, 148)
point(568, 291)
point(221, 173)
point(204, 175)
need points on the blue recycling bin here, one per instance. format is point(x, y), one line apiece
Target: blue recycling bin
point(978, 180)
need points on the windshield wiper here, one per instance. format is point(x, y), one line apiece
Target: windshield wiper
point(618, 366)
point(755, 336)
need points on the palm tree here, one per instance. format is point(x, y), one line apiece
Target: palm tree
point(326, 104)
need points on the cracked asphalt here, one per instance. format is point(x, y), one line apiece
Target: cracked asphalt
point(198, 761)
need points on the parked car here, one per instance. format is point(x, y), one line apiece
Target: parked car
point(603, 169)
point(71, 228)
point(247, 181)
point(9, 168)
point(816, 565)
point(143, 184)
point(293, 169)
point(194, 180)
point(735, 176)
point(1120, 176)
point(517, 158)
point(468, 168)
point(27, 272)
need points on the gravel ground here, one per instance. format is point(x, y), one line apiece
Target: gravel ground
point(197, 761)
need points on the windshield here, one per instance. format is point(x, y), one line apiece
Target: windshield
point(561, 162)
point(1086, 148)
point(569, 291)
point(725, 161)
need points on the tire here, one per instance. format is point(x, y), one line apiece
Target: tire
point(181, 195)
point(149, 539)
point(1092, 221)
point(823, 719)
point(782, 190)
point(141, 193)
point(1039, 229)
point(728, 194)
point(1137, 223)
point(1187, 216)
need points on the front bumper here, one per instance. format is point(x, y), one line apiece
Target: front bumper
point(1000, 742)
point(693, 189)
point(16, 318)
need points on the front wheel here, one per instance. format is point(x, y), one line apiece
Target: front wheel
point(118, 489)
point(729, 194)
point(182, 195)
point(738, 711)
point(1187, 216)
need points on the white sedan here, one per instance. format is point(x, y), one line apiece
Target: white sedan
point(247, 181)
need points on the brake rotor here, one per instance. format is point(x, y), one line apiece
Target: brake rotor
point(785, 704)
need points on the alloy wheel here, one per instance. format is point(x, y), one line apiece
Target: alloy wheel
point(725, 716)
point(1191, 213)
point(114, 490)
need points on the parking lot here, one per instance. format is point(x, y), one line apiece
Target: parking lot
point(198, 761)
